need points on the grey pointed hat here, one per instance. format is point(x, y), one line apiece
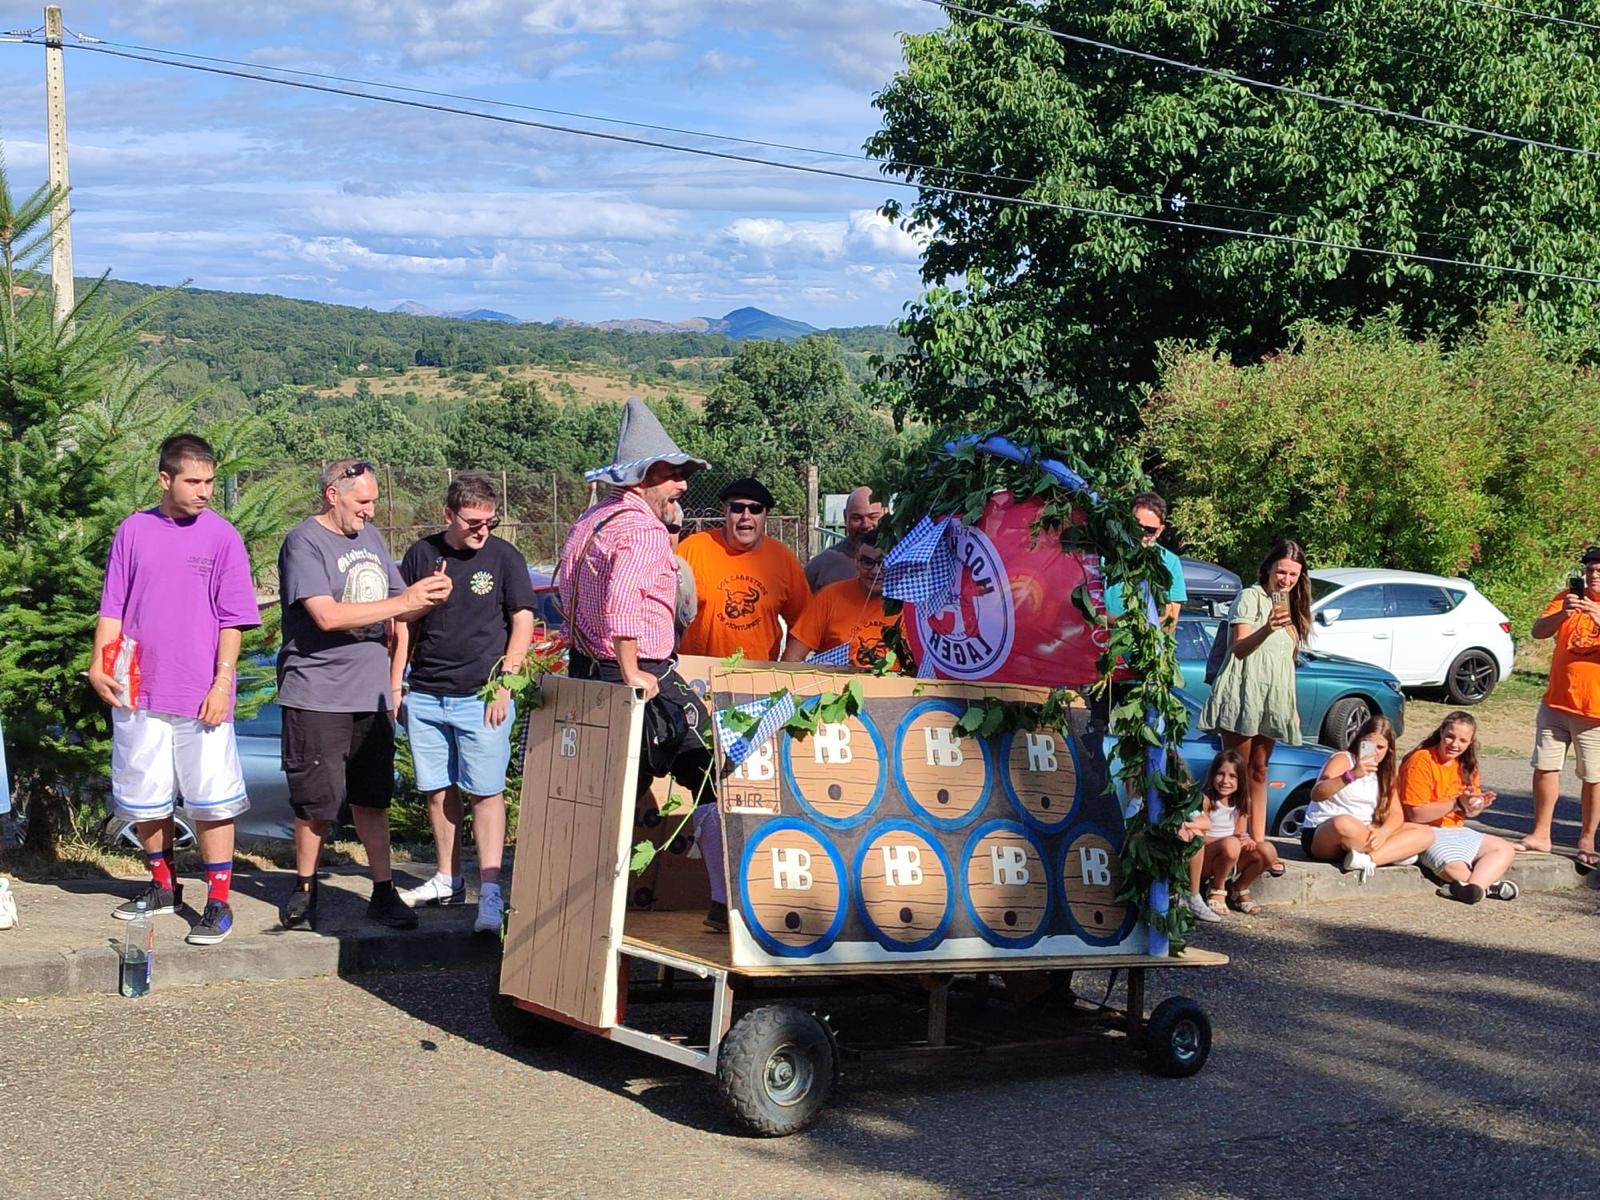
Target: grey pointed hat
point(640, 442)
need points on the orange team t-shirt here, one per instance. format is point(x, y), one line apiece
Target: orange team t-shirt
point(842, 612)
point(742, 594)
point(1575, 667)
point(1426, 780)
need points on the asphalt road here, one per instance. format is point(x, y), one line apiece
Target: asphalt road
point(1399, 1047)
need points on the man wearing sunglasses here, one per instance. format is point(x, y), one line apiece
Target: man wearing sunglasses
point(745, 580)
point(340, 593)
point(846, 614)
point(460, 745)
point(1150, 511)
point(836, 563)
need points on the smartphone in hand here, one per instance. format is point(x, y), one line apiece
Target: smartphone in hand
point(1367, 751)
point(1576, 586)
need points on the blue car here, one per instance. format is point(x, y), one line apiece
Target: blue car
point(1290, 775)
point(1336, 695)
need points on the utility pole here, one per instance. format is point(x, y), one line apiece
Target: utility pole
point(55, 105)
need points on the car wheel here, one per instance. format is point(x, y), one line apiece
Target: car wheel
point(1292, 816)
point(121, 835)
point(1471, 677)
point(1342, 720)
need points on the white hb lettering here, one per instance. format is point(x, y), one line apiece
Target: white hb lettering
point(569, 741)
point(943, 748)
point(1041, 752)
point(902, 866)
point(1010, 865)
point(791, 869)
point(833, 743)
point(758, 767)
point(1095, 866)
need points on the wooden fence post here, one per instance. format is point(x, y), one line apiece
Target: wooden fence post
point(812, 536)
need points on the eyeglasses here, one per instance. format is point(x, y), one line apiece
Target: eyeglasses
point(874, 562)
point(746, 506)
point(674, 530)
point(1150, 530)
point(357, 468)
point(474, 526)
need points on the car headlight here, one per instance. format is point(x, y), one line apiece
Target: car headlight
point(1394, 686)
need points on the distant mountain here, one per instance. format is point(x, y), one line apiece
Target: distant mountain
point(752, 323)
point(411, 308)
point(742, 324)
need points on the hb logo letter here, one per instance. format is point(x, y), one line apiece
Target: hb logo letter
point(758, 767)
point(943, 747)
point(833, 744)
point(569, 741)
point(902, 866)
point(1095, 866)
point(1041, 752)
point(791, 870)
point(1010, 865)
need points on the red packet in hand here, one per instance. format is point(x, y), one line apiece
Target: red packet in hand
point(121, 661)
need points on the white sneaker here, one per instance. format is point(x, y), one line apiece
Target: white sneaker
point(439, 890)
point(491, 911)
point(1201, 910)
point(1361, 863)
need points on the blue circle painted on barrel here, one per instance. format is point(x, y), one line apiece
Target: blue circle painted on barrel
point(865, 901)
point(1023, 809)
point(1084, 899)
point(765, 832)
point(918, 804)
point(785, 743)
point(990, 934)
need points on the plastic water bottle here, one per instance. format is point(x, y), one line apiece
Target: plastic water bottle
point(138, 954)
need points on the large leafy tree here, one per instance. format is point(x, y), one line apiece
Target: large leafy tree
point(1051, 315)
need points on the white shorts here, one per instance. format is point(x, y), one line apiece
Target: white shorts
point(156, 757)
point(1453, 845)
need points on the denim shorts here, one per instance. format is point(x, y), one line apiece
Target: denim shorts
point(451, 744)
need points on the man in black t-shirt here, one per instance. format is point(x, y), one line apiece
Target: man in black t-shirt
point(460, 744)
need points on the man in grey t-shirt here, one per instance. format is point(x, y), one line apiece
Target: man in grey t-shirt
point(340, 591)
point(838, 562)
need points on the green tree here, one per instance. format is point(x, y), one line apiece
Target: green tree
point(520, 429)
point(1061, 311)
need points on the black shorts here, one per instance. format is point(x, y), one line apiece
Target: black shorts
point(1307, 834)
point(329, 757)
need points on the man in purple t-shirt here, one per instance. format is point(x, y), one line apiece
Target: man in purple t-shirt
point(177, 597)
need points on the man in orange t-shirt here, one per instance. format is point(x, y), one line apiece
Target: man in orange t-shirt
point(745, 580)
point(1569, 715)
point(849, 611)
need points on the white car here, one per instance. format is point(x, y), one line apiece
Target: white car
point(1430, 631)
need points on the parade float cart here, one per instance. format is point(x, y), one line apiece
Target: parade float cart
point(970, 876)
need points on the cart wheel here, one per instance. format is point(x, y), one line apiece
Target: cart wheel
point(776, 1070)
point(1177, 1038)
point(526, 1029)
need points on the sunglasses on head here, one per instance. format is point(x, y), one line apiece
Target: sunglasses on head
point(357, 468)
point(746, 506)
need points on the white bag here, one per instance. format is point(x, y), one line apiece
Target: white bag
point(8, 905)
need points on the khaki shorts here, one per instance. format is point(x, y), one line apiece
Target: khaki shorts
point(1555, 730)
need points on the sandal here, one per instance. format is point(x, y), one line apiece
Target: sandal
point(1218, 901)
point(1240, 900)
point(1278, 870)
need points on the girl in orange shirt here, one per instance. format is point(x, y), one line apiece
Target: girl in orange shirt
point(1439, 786)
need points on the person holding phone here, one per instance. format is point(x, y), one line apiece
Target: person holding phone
point(1252, 705)
point(1569, 714)
point(1439, 786)
point(1355, 818)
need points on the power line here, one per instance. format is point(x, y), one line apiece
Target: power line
point(834, 173)
point(1532, 16)
point(1285, 88)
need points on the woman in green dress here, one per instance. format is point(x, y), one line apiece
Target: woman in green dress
point(1252, 705)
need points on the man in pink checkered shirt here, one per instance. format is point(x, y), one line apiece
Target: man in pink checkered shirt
point(618, 584)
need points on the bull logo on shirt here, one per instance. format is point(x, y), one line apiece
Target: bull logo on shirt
point(741, 603)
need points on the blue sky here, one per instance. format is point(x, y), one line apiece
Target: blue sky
point(246, 186)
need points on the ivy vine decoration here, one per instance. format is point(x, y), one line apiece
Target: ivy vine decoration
point(1147, 720)
point(523, 683)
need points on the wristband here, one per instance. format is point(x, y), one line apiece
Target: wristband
point(228, 667)
point(1349, 776)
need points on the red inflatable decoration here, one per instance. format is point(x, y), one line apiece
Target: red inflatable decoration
point(1010, 616)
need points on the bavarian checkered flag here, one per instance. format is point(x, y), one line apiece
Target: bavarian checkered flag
point(922, 565)
point(839, 656)
point(770, 713)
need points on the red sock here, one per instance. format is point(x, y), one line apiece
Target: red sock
point(219, 877)
point(160, 868)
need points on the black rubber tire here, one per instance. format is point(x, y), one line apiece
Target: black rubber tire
point(776, 1070)
point(1177, 1038)
point(525, 1029)
point(1341, 721)
point(1471, 678)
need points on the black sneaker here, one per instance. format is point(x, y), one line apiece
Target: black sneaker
point(386, 908)
point(157, 901)
point(1467, 893)
point(299, 909)
point(215, 924)
point(1503, 889)
point(717, 917)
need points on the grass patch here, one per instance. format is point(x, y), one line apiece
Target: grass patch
point(1505, 719)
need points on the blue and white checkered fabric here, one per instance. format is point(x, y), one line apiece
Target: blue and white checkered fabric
point(922, 566)
point(770, 716)
point(839, 656)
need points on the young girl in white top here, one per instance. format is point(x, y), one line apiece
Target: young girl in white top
point(1355, 817)
point(1222, 821)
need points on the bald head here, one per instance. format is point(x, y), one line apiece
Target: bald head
point(861, 515)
